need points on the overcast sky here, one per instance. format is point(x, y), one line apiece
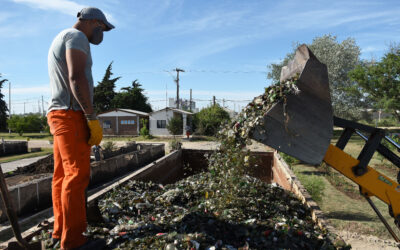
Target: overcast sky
point(224, 46)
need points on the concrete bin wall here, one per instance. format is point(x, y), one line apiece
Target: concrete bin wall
point(13, 147)
point(35, 195)
point(282, 174)
point(174, 166)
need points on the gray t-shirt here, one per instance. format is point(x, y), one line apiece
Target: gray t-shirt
point(61, 97)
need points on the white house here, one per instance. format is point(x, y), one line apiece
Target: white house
point(160, 118)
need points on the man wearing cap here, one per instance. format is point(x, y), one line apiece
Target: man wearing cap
point(74, 124)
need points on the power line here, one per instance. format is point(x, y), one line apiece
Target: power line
point(227, 71)
point(205, 100)
point(199, 71)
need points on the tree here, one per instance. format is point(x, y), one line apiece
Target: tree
point(340, 58)
point(3, 107)
point(380, 81)
point(175, 125)
point(132, 98)
point(29, 123)
point(208, 120)
point(104, 92)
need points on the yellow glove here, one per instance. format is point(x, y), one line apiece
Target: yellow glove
point(96, 132)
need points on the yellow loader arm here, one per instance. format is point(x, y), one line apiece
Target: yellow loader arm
point(372, 183)
point(303, 128)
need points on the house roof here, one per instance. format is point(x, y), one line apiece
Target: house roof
point(173, 109)
point(130, 111)
point(134, 111)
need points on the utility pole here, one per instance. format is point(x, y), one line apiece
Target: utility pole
point(177, 86)
point(43, 107)
point(214, 100)
point(24, 108)
point(223, 103)
point(38, 105)
point(9, 102)
point(190, 102)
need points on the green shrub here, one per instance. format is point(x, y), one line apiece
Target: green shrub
point(109, 146)
point(315, 186)
point(175, 126)
point(289, 159)
point(209, 120)
point(396, 138)
point(144, 131)
point(388, 122)
point(26, 123)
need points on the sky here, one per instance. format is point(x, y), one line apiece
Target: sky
point(223, 46)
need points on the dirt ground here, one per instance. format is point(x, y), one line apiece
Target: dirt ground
point(22, 178)
point(367, 242)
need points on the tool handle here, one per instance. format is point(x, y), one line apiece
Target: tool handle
point(12, 216)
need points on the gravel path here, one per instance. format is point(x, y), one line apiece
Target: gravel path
point(39, 144)
point(13, 165)
point(205, 145)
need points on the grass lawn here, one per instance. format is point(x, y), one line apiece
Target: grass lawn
point(44, 151)
point(341, 201)
point(25, 136)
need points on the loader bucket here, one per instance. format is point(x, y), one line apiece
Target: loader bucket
point(306, 131)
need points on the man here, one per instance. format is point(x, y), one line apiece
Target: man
point(188, 130)
point(74, 124)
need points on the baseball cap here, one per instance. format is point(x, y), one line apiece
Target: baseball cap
point(90, 13)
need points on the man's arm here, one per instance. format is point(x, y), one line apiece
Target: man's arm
point(76, 62)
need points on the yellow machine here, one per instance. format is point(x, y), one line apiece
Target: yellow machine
point(302, 127)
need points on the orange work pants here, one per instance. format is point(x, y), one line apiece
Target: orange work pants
point(71, 175)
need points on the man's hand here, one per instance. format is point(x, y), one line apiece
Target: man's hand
point(96, 132)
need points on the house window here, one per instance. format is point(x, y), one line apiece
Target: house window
point(161, 123)
point(107, 124)
point(127, 122)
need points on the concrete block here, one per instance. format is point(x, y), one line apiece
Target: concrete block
point(13, 193)
point(28, 198)
point(140, 157)
point(37, 194)
point(35, 150)
point(112, 166)
point(99, 173)
point(44, 192)
point(159, 151)
point(122, 164)
point(130, 160)
point(147, 156)
point(136, 158)
point(14, 196)
point(13, 147)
